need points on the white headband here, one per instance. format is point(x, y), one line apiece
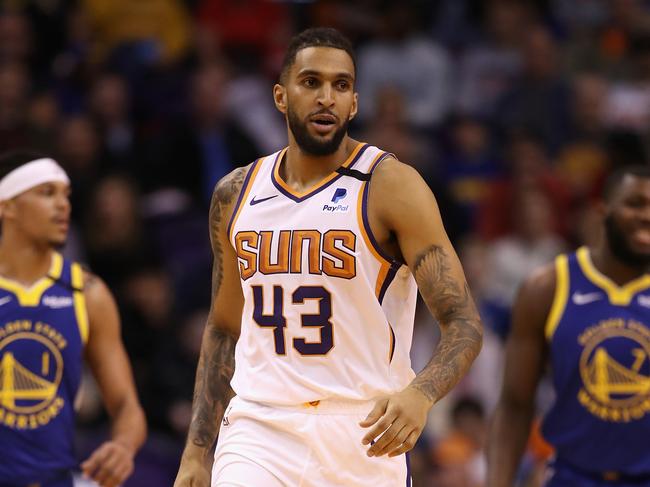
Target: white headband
point(29, 176)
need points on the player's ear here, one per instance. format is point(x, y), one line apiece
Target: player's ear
point(355, 106)
point(280, 98)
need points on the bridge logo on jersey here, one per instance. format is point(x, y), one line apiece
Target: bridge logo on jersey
point(31, 368)
point(615, 370)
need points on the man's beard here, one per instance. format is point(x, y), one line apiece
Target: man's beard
point(310, 144)
point(620, 247)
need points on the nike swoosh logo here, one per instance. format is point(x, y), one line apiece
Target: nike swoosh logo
point(580, 299)
point(262, 200)
point(5, 300)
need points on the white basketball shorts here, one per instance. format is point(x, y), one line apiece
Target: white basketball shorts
point(317, 445)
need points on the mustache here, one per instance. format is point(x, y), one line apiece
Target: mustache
point(323, 111)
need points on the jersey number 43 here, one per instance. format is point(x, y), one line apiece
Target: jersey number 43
point(278, 322)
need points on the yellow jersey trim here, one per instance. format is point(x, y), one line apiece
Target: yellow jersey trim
point(560, 297)
point(80, 310)
point(618, 295)
point(31, 296)
point(321, 183)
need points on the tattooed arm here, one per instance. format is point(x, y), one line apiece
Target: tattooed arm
point(409, 224)
point(212, 390)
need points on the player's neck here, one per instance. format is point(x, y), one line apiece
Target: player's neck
point(301, 170)
point(23, 261)
point(618, 271)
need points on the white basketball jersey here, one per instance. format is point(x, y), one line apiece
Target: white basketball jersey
point(327, 314)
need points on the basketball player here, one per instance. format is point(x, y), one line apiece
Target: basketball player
point(53, 315)
point(588, 317)
point(317, 250)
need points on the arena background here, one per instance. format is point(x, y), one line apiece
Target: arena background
point(512, 111)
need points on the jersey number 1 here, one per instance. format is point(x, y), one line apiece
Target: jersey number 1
point(278, 322)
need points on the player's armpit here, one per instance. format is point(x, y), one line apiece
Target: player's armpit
point(412, 215)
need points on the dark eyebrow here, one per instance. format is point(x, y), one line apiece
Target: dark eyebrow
point(313, 72)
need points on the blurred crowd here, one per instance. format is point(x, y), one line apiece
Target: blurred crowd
point(513, 112)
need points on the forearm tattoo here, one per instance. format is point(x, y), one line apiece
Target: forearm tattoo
point(216, 366)
point(460, 325)
point(212, 391)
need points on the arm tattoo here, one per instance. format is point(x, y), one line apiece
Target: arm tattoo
point(460, 325)
point(216, 366)
point(212, 391)
point(222, 197)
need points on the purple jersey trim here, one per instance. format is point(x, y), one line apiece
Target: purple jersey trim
point(366, 223)
point(299, 199)
point(242, 192)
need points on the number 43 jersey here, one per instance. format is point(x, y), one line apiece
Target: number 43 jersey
point(327, 314)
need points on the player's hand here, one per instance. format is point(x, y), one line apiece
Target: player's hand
point(110, 464)
point(192, 474)
point(401, 418)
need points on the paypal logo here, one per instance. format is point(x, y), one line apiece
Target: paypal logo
point(339, 194)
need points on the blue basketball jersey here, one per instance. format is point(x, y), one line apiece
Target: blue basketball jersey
point(599, 345)
point(43, 329)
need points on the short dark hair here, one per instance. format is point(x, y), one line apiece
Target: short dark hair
point(16, 158)
point(616, 178)
point(315, 37)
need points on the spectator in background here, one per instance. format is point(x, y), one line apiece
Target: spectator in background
point(390, 128)
point(404, 58)
point(460, 454)
point(208, 145)
point(487, 69)
point(360, 20)
point(627, 20)
point(484, 379)
point(79, 151)
point(116, 237)
point(110, 106)
point(469, 166)
point(628, 102)
point(14, 89)
point(147, 298)
point(582, 162)
point(532, 243)
point(253, 34)
point(528, 169)
point(43, 118)
point(589, 95)
point(173, 382)
point(539, 100)
point(145, 33)
point(16, 42)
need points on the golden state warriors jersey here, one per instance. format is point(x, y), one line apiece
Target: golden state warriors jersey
point(599, 343)
point(327, 314)
point(43, 329)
